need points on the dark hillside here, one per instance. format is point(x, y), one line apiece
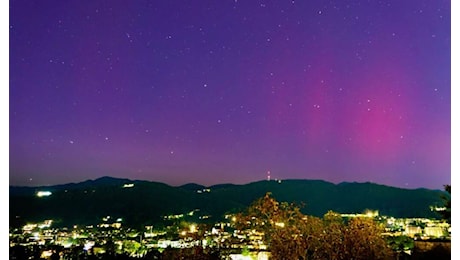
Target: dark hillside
point(147, 202)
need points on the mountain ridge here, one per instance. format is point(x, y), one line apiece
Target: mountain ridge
point(107, 177)
point(145, 202)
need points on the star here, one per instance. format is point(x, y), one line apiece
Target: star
point(161, 81)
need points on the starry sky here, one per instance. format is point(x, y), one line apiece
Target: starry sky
point(224, 91)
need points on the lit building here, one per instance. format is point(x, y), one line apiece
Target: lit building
point(433, 231)
point(412, 231)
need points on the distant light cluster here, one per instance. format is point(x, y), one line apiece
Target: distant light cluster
point(44, 194)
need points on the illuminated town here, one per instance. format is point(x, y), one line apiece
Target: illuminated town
point(111, 235)
point(237, 235)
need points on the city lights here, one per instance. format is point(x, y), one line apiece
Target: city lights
point(193, 228)
point(221, 233)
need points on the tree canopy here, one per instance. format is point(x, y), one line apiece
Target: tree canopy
point(289, 234)
point(446, 200)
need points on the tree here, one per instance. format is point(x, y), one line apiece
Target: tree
point(400, 244)
point(282, 226)
point(290, 234)
point(131, 247)
point(446, 199)
point(332, 239)
point(110, 248)
point(363, 240)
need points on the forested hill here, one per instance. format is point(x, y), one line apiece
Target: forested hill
point(145, 202)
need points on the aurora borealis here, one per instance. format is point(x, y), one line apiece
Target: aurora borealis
point(224, 91)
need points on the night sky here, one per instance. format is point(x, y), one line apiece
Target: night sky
point(224, 91)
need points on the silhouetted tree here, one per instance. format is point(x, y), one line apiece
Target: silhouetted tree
point(18, 252)
point(446, 199)
point(110, 248)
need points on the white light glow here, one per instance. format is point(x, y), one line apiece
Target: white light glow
point(44, 193)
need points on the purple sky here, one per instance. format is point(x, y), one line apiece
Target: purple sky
point(224, 91)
